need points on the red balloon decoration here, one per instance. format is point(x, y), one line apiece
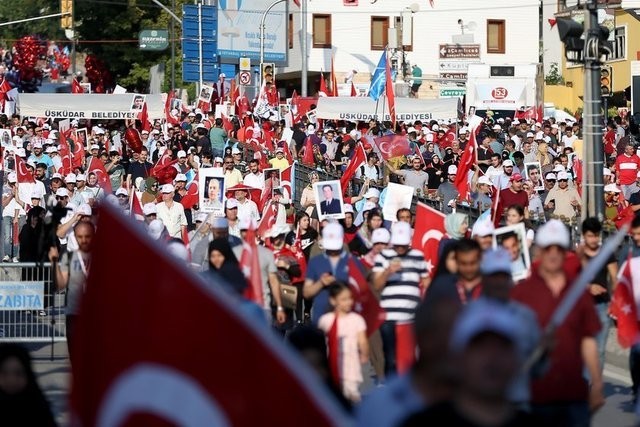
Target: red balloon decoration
point(133, 139)
point(97, 74)
point(29, 50)
point(165, 174)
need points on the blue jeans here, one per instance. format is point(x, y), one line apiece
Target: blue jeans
point(601, 339)
point(388, 334)
point(566, 414)
point(7, 237)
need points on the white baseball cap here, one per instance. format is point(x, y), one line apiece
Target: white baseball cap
point(232, 203)
point(529, 134)
point(553, 232)
point(84, 209)
point(412, 130)
point(36, 194)
point(81, 177)
point(121, 191)
point(452, 170)
point(607, 172)
point(372, 192)
point(12, 177)
point(380, 235)
point(37, 145)
point(167, 188)
point(62, 192)
point(332, 237)
point(401, 234)
point(482, 228)
point(180, 178)
point(611, 188)
point(182, 154)
point(497, 127)
point(562, 175)
point(149, 209)
point(70, 179)
point(507, 163)
point(484, 180)
point(94, 147)
point(156, 227)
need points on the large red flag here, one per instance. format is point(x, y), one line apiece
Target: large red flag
point(151, 383)
point(391, 146)
point(429, 230)
point(308, 158)
point(167, 109)
point(388, 91)
point(467, 161)
point(323, 87)
point(190, 199)
point(23, 174)
point(359, 157)
point(354, 92)
point(65, 156)
point(366, 303)
point(267, 220)
point(333, 350)
point(334, 80)
point(624, 217)
point(144, 119)
point(250, 265)
point(136, 207)
point(624, 307)
point(97, 167)
point(75, 86)
point(78, 153)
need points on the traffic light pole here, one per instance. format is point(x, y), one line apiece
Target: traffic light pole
point(592, 118)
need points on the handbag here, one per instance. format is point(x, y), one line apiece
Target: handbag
point(289, 296)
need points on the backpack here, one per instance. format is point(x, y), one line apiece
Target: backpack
point(377, 170)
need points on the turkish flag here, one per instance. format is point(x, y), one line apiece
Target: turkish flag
point(128, 363)
point(190, 199)
point(391, 146)
point(136, 207)
point(23, 174)
point(624, 217)
point(624, 307)
point(526, 114)
point(429, 230)
point(323, 87)
point(250, 265)
point(75, 86)
point(167, 109)
point(226, 124)
point(164, 171)
point(78, 153)
point(366, 302)
point(359, 157)
point(96, 166)
point(308, 158)
point(267, 220)
point(405, 347)
point(467, 161)
point(143, 116)
point(334, 80)
point(65, 156)
point(354, 92)
point(285, 180)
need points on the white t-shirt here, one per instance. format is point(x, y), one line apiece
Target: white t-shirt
point(568, 141)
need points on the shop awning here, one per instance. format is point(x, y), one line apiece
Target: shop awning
point(407, 109)
point(91, 106)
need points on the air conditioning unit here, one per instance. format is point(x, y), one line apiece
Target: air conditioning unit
point(502, 71)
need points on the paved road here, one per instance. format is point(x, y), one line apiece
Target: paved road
point(618, 411)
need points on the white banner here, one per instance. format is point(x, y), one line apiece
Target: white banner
point(92, 106)
point(503, 95)
point(365, 108)
point(21, 296)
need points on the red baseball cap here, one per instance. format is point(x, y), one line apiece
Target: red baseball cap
point(516, 177)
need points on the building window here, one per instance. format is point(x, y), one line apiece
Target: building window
point(379, 32)
point(495, 36)
point(291, 31)
point(322, 31)
point(619, 43)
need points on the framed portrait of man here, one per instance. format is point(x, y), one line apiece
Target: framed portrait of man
point(212, 195)
point(329, 202)
point(513, 238)
point(533, 172)
point(137, 103)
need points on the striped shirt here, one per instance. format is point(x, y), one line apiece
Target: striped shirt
point(401, 293)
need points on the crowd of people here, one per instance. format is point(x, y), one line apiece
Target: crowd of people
point(475, 317)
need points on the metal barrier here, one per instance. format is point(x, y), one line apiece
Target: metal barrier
point(30, 308)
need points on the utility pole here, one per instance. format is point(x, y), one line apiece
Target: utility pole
point(173, 49)
point(592, 117)
point(262, 29)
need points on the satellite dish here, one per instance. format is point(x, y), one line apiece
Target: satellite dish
point(415, 7)
point(471, 26)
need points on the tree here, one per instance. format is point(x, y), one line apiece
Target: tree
point(554, 77)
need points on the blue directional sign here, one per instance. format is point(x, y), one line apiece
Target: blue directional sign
point(199, 27)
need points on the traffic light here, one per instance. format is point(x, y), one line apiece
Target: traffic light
point(268, 70)
point(66, 20)
point(606, 80)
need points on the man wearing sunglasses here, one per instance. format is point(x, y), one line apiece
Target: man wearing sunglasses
point(563, 199)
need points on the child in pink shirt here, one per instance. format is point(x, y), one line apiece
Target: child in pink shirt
point(353, 346)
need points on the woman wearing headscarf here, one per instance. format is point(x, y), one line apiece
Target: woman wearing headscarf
point(224, 272)
point(150, 191)
point(456, 225)
point(435, 169)
point(22, 402)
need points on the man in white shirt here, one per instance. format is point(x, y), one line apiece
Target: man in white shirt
point(569, 138)
point(171, 213)
point(370, 169)
point(255, 178)
point(503, 180)
point(246, 208)
point(496, 167)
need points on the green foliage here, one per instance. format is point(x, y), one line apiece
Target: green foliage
point(554, 77)
point(612, 112)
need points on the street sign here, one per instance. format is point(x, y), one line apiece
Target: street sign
point(244, 77)
point(245, 64)
point(466, 51)
point(450, 93)
point(456, 76)
point(199, 27)
point(154, 40)
point(454, 66)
